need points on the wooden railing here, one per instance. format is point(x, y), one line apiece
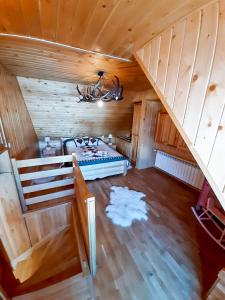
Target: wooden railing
point(69, 180)
point(27, 181)
point(85, 202)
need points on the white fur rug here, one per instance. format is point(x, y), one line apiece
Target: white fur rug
point(126, 206)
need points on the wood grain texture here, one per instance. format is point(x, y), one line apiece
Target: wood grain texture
point(199, 92)
point(44, 222)
point(155, 259)
point(169, 140)
point(174, 60)
point(13, 232)
point(52, 261)
point(149, 260)
point(18, 128)
point(51, 103)
point(164, 53)
point(107, 26)
point(135, 131)
point(76, 287)
point(214, 99)
point(54, 62)
point(202, 68)
point(86, 217)
point(148, 119)
point(124, 147)
point(186, 64)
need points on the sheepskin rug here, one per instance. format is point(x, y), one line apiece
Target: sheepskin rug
point(126, 206)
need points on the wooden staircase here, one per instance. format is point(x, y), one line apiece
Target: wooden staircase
point(60, 235)
point(184, 65)
point(49, 263)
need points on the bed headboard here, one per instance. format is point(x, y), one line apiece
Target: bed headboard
point(71, 143)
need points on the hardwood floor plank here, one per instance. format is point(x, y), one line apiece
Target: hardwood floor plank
point(167, 257)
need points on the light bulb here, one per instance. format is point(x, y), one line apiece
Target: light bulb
point(100, 103)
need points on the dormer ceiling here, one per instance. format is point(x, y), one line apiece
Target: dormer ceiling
point(106, 26)
point(34, 59)
point(39, 38)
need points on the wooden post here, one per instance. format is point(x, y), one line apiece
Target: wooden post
point(86, 212)
point(18, 185)
point(92, 234)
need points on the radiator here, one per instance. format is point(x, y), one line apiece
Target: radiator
point(185, 171)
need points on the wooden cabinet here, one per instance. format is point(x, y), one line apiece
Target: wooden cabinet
point(135, 131)
point(143, 130)
point(168, 138)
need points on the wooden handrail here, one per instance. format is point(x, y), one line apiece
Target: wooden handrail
point(85, 202)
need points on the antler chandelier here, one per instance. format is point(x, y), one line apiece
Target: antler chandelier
point(100, 93)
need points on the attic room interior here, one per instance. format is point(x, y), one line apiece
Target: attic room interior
point(112, 142)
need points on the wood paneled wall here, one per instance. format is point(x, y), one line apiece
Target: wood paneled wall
point(43, 223)
point(13, 232)
point(18, 127)
point(55, 112)
point(185, 64)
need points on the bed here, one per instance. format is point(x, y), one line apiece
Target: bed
point(95, 158)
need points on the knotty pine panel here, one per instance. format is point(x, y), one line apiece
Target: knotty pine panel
point(47, 221)
point(36, 59)
point(19, 131)
point(107, 26)
point(13, 231)
point(55, 112)
point(195, 76)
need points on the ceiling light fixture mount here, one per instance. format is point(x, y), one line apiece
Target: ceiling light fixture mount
point(101, 92)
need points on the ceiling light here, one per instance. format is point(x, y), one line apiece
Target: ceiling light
point(101, 92)
point(100, 103)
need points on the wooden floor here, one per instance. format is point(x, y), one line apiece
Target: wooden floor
point(167, 257)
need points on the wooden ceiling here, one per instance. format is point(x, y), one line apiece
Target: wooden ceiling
point(106, 26)
point(35, 59)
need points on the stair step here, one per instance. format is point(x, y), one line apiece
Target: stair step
point(52, 262)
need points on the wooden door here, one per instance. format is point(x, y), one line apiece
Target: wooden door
point(135, 130)
point(145, 152)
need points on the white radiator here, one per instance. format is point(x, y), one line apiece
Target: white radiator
point(185, 171)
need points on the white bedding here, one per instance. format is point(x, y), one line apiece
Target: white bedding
point(94, 153)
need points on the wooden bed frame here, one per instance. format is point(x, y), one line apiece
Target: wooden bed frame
point(102, 170)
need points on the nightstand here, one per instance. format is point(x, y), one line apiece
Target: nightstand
point(49, 151)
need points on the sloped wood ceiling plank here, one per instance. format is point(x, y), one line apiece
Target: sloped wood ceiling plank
point(198, 108)
point(187, 63)
point(202, 69)
point(40, 60)
point(66, 15)
point(31, 14)
point(164, 53)
point(174, 61)
point(49, 10)
point(109, 26)
point(215, 97)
